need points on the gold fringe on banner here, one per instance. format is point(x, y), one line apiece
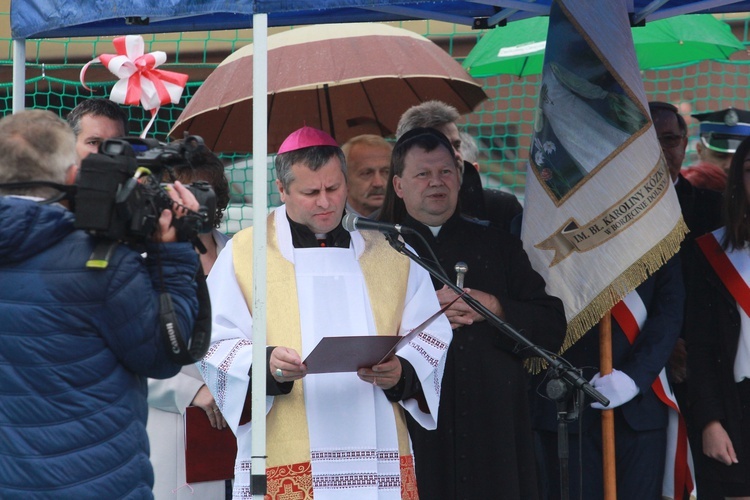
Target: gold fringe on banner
point(621, 286)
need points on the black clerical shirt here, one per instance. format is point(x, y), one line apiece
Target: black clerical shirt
point(303, 237)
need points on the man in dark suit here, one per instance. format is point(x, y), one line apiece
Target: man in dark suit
point(638, 355)
point(701, 210)
point(501, 206)
point(640, 417)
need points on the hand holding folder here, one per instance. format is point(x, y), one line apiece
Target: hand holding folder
point(350, 353)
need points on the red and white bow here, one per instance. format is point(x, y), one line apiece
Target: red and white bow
point(139, 80)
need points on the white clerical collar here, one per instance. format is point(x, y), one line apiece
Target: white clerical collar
point(434, 230)
point(284, 235)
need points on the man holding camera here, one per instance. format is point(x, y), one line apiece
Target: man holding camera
point(95, 120)
point(78, 342)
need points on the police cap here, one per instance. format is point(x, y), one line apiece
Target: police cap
point(723, 130)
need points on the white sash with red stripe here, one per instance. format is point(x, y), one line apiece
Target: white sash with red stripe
point(733, 269)
point(679, 474)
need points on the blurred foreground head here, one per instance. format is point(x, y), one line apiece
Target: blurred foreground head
point(36, 145)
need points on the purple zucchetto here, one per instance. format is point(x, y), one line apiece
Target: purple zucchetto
point(306, 137)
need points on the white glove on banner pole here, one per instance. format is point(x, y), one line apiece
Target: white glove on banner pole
point(618, 387)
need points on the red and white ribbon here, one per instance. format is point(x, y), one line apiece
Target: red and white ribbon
point(139, 80)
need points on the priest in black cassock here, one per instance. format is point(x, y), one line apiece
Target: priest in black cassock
point(482, 447)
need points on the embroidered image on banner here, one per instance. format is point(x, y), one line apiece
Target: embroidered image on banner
point(578, 90)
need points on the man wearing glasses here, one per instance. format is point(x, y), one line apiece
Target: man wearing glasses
point(701, 210)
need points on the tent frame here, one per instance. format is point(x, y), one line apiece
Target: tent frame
point(258, 15)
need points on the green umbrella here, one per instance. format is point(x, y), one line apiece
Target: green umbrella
point(518, 48)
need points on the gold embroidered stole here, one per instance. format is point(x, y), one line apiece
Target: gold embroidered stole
point(386, 274)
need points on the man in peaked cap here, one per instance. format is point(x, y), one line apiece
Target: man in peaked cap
point(334, 435)
point(720, 134)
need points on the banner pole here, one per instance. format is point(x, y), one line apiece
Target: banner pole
point(258, 478)
point(608, 416)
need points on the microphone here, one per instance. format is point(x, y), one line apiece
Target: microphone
point(461, 269)
point(353, 222)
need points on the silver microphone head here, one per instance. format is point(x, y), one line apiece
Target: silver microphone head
point(349, 222)
point(461, 269)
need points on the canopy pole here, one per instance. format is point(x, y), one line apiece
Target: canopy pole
point(608, 416)
point(260, 213)
point(19, 74)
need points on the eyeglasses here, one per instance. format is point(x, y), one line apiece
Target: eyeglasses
point(670, 140)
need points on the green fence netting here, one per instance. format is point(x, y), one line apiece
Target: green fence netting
point(501, 125)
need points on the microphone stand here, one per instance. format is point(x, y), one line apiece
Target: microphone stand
point(565, 380)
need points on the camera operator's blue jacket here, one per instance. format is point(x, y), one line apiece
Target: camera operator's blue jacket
point(75, 346)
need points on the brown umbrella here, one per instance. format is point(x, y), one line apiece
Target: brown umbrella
point(346, 79)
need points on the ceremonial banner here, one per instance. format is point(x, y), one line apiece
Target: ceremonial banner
point(600, 213)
